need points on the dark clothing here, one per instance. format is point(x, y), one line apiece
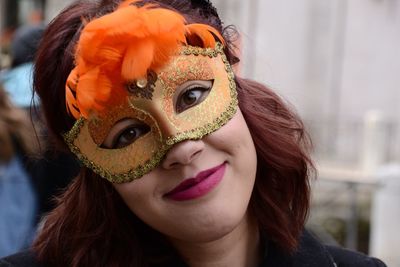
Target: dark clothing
point(22, 259)
point(311, 253)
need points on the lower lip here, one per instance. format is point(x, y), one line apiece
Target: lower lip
point(202, 188)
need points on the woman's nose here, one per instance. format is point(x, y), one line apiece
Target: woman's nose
point(183, 153)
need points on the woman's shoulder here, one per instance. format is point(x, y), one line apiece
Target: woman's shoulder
point(22, 259)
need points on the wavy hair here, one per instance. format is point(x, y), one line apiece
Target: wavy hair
point(92, 225)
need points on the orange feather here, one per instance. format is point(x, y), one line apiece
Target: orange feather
point(70, 90)
point(97, 89)
point(137, 59)
point(124, 45)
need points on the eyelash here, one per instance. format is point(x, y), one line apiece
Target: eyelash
point(200, 98)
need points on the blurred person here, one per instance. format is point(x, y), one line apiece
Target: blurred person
point(18, 200)
point(184, 163)
point(50, 172)
point(17, 80)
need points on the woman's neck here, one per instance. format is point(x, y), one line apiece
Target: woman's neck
point(239, 248)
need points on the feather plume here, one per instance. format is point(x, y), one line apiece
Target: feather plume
point(97, 89)
point(137, 59)
point(124, 45)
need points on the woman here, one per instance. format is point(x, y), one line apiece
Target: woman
point(185, 164)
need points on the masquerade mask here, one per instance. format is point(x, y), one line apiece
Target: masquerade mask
point(129, 117)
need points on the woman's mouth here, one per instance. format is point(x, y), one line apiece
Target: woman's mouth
point(198, 186)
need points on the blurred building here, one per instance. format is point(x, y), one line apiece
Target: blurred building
point(15, 13)
point(23, 12)
point(334, 60)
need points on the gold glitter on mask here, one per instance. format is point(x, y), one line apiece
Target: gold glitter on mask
point(99, 127)
point(143, 87)
point(167, 127)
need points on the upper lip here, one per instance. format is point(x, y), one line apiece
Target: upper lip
point(187, 183)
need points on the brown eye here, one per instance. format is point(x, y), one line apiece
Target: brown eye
point(129, 135)
point(124, 133)
point(193, 96)
point(190, 97)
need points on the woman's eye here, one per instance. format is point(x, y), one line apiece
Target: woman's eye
point(193, 96)
point(129, 135)
point(124, 135)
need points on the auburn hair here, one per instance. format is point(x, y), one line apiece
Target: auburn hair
point(92, 225)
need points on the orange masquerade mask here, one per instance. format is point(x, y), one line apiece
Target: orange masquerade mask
point(121, 137)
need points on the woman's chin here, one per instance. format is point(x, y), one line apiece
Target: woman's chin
point(207, 228)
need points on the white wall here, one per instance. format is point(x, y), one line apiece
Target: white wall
point(53, 7)
point(334, 60)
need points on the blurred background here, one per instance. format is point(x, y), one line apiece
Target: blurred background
point(338, 63)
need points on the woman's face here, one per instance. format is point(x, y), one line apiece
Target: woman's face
point(201, 190)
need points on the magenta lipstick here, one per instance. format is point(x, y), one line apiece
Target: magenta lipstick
point(198, 186)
